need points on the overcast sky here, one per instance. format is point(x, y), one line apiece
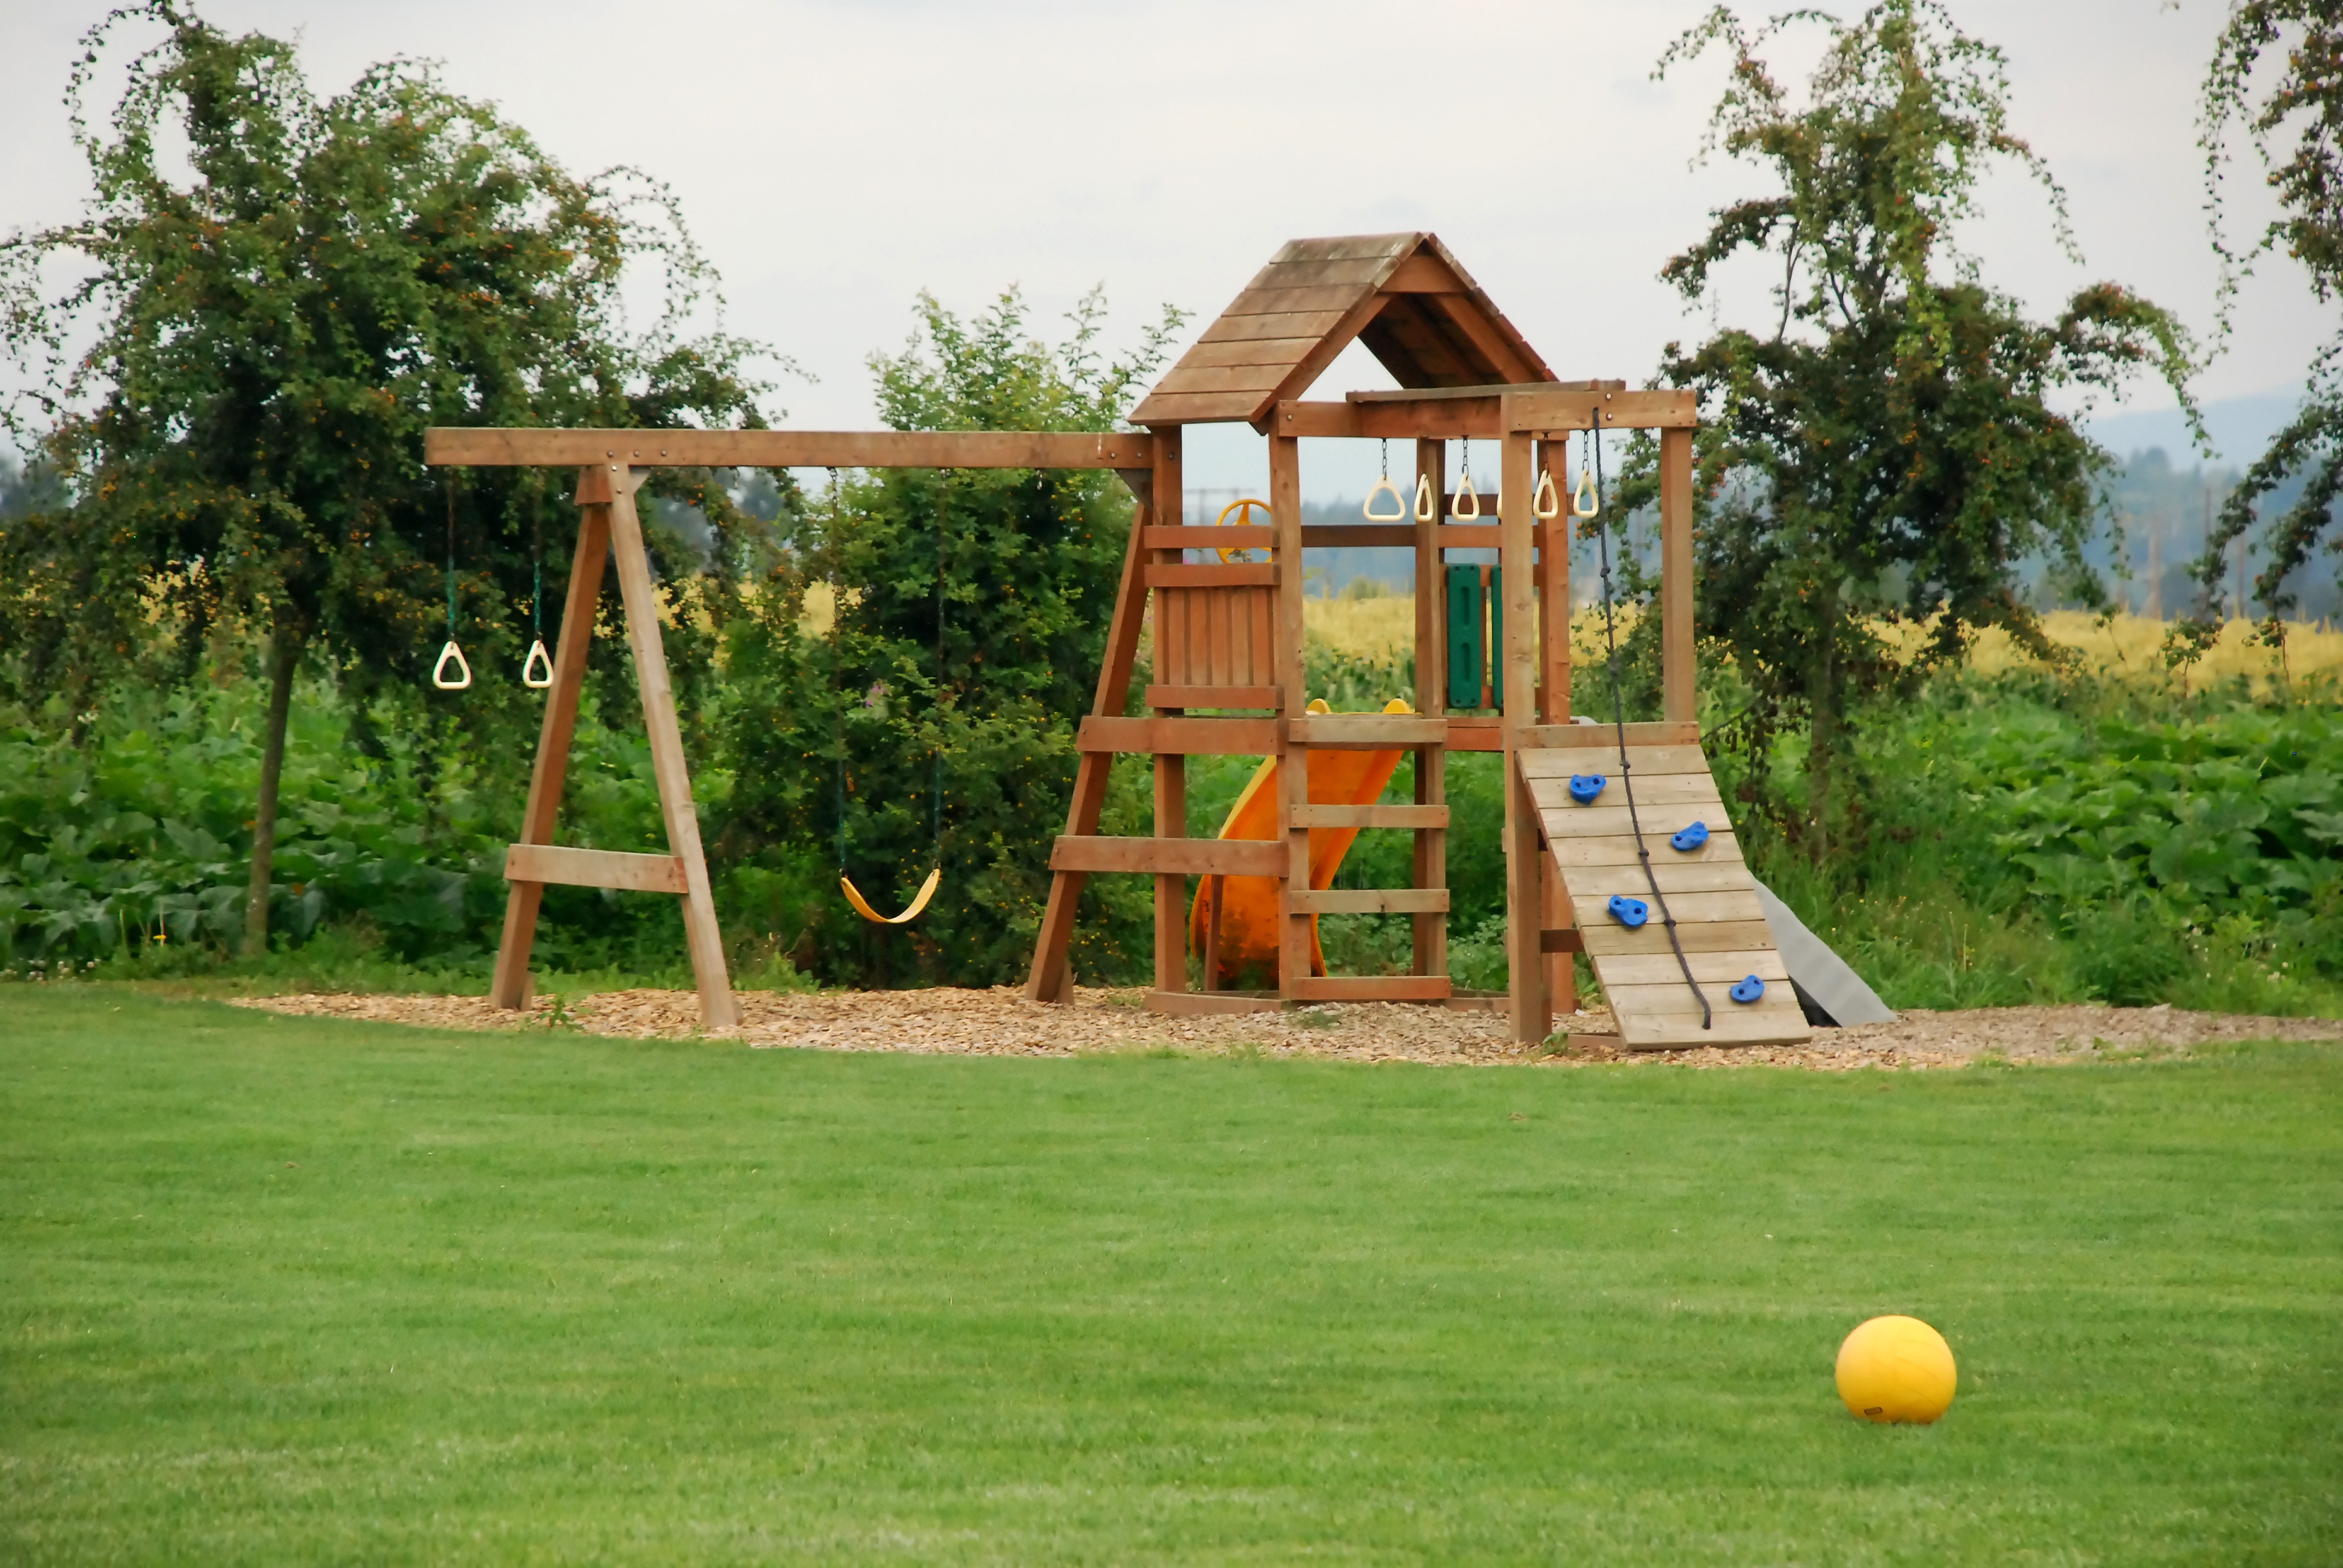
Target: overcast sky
point(835, 158)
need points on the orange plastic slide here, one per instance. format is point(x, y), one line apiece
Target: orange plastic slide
point(1248, 945)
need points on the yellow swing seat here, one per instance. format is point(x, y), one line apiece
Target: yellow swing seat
point(862, 905)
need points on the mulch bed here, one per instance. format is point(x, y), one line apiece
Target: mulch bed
point(1001, 1023)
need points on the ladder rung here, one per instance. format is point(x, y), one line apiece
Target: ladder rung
point(1371, 901)
point(1377, 816)
point(1170, 857)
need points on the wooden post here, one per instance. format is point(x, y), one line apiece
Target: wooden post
point(1677, 676)
point(1292, 760)
point(1524, 907)
point(1170, 767)
point(1046, 979)
point(1554, 698)
point(717, 1007)
point(510, 987)
point(1431, 698)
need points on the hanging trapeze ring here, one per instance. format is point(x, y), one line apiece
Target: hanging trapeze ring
point(1244, 510)
point(1467, 497)
point(463, 670)
point(862, 905)
point(538, 659)
point(1547, 502)
point(1586, 503)
point(1427, 510)
point(1384, 487)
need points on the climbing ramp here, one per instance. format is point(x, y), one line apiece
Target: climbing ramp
point(1708, 890)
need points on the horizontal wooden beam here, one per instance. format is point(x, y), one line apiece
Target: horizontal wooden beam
point(1271, 698)
point(1258, 537)
point(1369, 902)
point(573, 868)
point(1562, 940)
point(1560, 411)
point(1180, 737)
point(1198, 1003)
point(476, 446)
point(1169, 857)
point(1372, 988)
point(1211, 574)
point(1475, 417)
point(1378, 816)
point(1367, 731)
point(1476, 734)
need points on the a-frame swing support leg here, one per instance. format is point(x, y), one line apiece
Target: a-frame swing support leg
point(609, 523)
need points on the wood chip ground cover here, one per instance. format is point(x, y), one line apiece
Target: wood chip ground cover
point(1001, 1023)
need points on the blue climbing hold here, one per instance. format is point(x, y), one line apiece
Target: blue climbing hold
point(1629, 912)
point(1691, 838)
point(1584, 786)
point(1748, 989)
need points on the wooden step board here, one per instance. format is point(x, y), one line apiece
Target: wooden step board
point(1708, 890)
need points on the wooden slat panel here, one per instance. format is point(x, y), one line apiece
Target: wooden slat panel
point(1646, 1031)
point(478, 447)
point(1205, 537)
point(1169, 857)
point(1667, 790)
point(1254, 377)
point(1293, 325)
point(1373, 730)
point(1281, 301)
point(1650, 761)
point(1572, 737)
point(1377, 816)
point(1305, 274)
point(1268, 697)
point(1714, 937)
point(1372, 988)
point(1724, 969)
point(1674, 876)
point(1327, 248)
point(1212, 575)
point(1476, 734)
point(1286, 352)
point(1190, 736)
point(593, 869)
point(1614, 821)
point(1689, 909)
point(1369, 900)
point(1671, 995)
point(1619, 850)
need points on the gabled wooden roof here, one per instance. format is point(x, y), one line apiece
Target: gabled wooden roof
point(1402, 295)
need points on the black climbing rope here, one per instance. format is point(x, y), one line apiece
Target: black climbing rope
point(1619, 727)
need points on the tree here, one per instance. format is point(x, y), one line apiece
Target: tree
point(234, 390)
point(921, 727)
point(2302, 97)
point(1875, 466)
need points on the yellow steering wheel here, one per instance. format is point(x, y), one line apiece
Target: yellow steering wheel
point(1243, 510)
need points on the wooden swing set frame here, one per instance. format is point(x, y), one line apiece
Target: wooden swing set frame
point(1228, 635)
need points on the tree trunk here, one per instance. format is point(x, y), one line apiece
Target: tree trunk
point(284, 657)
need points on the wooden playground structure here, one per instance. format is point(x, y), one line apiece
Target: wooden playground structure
point(1229, 640)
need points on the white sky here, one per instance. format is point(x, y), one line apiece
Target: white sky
point(834, 158)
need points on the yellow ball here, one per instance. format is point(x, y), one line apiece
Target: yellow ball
point(1896, 1369)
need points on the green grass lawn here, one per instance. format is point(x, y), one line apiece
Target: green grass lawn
point(295, 1291)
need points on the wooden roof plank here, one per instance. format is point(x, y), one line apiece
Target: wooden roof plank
point(1250, 351)
point(1311, 324)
